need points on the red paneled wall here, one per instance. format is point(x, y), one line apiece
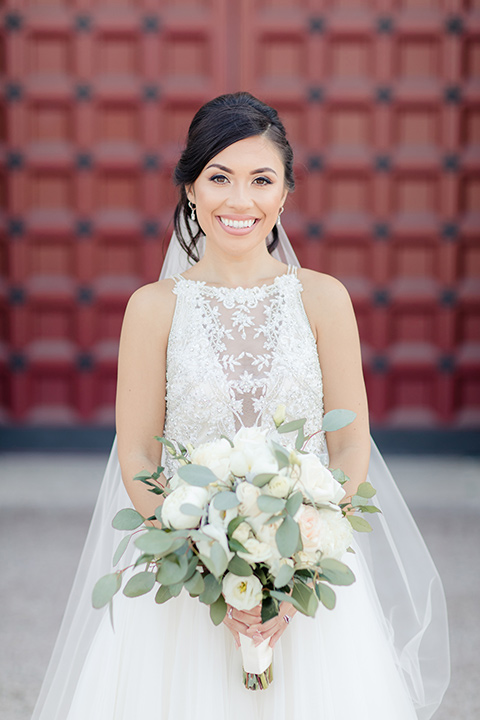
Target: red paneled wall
point(382, 103)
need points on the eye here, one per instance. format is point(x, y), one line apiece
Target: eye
point(219, 179)
point(262, 181)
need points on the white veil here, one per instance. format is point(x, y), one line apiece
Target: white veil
point(405, 579)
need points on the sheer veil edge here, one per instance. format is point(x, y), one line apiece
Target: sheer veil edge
point(405, 583)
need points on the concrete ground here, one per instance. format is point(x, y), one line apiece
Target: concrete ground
point(45, 506)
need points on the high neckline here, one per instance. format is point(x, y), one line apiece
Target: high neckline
point(290, 272)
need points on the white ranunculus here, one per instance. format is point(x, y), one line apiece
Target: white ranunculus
point(173, 517)
point(279, 486)
point(248, 495)
point(214, 455)
point(317, 482)
point(242, 593)
point(216, 534)
point(257, 551)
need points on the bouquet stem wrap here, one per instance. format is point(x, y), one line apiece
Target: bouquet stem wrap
point(257, 663)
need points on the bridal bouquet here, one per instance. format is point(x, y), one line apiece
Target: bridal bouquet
point(244, 522)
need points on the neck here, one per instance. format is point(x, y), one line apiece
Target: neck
point(236, 270)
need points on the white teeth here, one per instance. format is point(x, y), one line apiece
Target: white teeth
point(237, 223)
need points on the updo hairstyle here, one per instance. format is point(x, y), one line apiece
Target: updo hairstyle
point(218, 124)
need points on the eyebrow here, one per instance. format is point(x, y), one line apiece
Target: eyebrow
point(254, 172)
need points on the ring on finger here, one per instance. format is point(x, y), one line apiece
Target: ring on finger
point(287, 618)
point(230, 612)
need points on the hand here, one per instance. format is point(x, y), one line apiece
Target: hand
point(239, 621)
point(272, 629)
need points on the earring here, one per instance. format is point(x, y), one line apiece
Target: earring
point(279, 213)
point(192, 208)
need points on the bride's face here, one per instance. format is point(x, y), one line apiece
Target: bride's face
point(239, 193)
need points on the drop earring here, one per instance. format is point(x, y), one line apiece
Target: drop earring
point(279, 213)
point(192, 207)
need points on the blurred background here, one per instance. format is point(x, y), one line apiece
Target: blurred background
point(381, 100)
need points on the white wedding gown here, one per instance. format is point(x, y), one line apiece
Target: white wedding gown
point(233, 356)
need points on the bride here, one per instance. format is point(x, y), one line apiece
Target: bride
point(233, 329)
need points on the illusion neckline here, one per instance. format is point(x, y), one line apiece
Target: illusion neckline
point(290, 272)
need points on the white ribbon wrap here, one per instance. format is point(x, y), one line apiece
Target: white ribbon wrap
point(256, 659)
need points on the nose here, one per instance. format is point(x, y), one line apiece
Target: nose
point(239, 197)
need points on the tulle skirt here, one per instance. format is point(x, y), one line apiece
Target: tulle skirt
point(170, 662)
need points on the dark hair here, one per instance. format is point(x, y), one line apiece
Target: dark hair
point(217, 125)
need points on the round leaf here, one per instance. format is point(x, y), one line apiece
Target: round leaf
point(139, 584)
point(155, 541)
point(336, 572)
point(284, 576)
point(291, 426)
point(366, 490)
point(225, 500)
point(359, 524)
point(293, 503)
point(212, 590)
point(270, 504)
point(190, 509)
point(197, 475)
point(163, 594)
point(263, 478)
point(287, 537)
point(326, 595)
point(239, 566)
point(105, 589)
point(127, 519)
point(337, 419)
point(173, 570)
point(219, 558)
point(195, 584)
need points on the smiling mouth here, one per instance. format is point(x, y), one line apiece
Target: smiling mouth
point(238, 224)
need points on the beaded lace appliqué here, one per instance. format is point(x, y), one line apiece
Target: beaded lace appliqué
point(234, 354)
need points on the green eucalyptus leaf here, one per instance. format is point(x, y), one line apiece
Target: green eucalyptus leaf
point(176, 589)
point(337, 419)
point(198, 475)
point(270, 504)
point(143, 475)
point(339, 475)
point(359, 524)
point(209, 564)
point(190, 509)
point(282, 456)
point(300, 440)
point(139, 584)
point(284, 576)
point(169, 445)
point(270, 607)
point(172, 570)
point(306, 597)
point(336, 572)
point(369, 509)
point(233, 524)
point(155, 541)
point(236, 546)
point(195, 584)
point(225, 437)
point(287, 537)
point(143, 559)
point(326, 595)
point(163, 594)
point(213, 588)
point(198, 535)
point(366, 490)
point(239, 566)
point(293, 503)
point(219, 558)
point(127, 519)
point(292, 426)
point(218, 610)
point(122, 546)
point(283, 597)
point(263, 478)
point(105, 589)
point(225, 500)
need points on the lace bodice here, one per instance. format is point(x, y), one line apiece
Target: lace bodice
point(234, 355)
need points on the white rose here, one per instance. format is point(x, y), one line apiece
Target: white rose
point(214, 455)
point(242, 532)
point(173, 517)
point(336, 533)
point(317, 482)
point(248, 495)
point(216, 534)
point(251, 453)
point(242, 593)
point(279, 486)
point(257, 551)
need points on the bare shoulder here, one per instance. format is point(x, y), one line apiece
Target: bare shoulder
point(324, 292)
point(152, 304)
